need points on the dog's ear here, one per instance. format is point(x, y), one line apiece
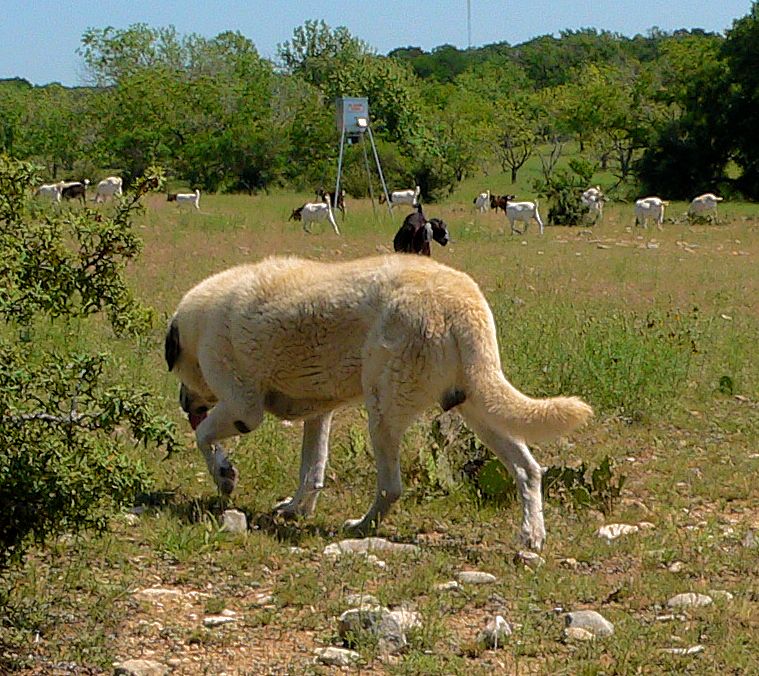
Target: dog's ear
point(171, 346)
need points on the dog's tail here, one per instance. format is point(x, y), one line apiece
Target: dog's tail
point(501, 405)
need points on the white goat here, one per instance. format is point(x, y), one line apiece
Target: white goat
point(594, 199)
point(108, 187)
point(649, 207)
point(482, 201)
point(525, 212)
point(704, 205)
point(51, 191)
point(312, 212)
point(192, 198)
point(402, 197)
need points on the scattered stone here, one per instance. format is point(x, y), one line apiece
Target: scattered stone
point(234, 521)
point(366, 545)
point(374, 620)
point(572, 564)
point(495, 632)
point(337, 657)
point(140, 668)
point(475, 577)
point(578, 634)
point(646, 525)
point(156, 593)
point(721, 595)
point(262, 599)
point(689, 600)
point(131, 519)
point(376, 561)
point(529, 559)
point(451, 585)
point(217, 620)
point(407, 619)
point(614, 530)
point(675, 567)
point(590, 621)
point(361, 600)
point(693, 650)
point(750, 540)
point(671, 617)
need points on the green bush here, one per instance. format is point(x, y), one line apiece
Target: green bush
point(65, 433)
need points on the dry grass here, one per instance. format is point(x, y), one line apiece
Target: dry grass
point(690, 472)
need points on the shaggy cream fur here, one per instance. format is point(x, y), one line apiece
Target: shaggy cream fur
point(398, 333)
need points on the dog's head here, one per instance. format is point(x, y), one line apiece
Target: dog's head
point(195, 396)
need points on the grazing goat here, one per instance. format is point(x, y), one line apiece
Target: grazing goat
point(192, 198)
point(594, 200)
point(649, 207)
point(51, 191)
point(108, 187)
point(337, 201)
point(500, 201)
point(415, 234)
point(402, 197)
point(704, 206)
point(75, 190)
point(482, 201)
point(311, 212)
point(525, 212)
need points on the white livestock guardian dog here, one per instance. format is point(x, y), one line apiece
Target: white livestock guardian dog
point(300, 338)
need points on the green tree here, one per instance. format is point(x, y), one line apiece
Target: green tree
point(742, 57)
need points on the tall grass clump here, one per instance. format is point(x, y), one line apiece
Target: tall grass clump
point(626, 363)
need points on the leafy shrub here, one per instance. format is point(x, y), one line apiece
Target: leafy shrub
point(64, 432)
point(563, 189)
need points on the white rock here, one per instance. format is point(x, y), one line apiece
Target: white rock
point(590, 621)
point(675, 566)
point(693, 650)
point(217, 620)
point(336, 657)
point(495, 633)
point(366, 545)
point(689, 600)
point(156, 593)
point(234, 521)
point(376, 621)
point(140, 668)
point(475, 577)
point(451, 585)
point(578, 634)
point(612, 531)
point(407, 619)
point(529, 559)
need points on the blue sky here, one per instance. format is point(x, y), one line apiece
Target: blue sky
point(39, 38)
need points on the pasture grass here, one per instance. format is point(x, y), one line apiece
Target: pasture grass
point(656, 328)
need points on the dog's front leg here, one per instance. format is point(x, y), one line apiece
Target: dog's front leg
point(222, 423)
point(313, 464)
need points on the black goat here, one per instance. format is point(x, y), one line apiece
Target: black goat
point(416, 233)
point(75, 190)
point(500, 201)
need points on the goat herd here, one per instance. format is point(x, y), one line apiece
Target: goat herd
point(417, 231)
point(108, 187)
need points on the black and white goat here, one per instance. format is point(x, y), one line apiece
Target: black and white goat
point(415, 234)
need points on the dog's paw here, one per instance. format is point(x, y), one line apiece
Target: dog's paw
point(359, 528)
point(287, 508)
point(226, 479)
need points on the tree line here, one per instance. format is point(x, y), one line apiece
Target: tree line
point(671, 113)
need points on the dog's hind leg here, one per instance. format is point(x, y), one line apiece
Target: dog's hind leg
point(515, 455)
point(313, 463)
